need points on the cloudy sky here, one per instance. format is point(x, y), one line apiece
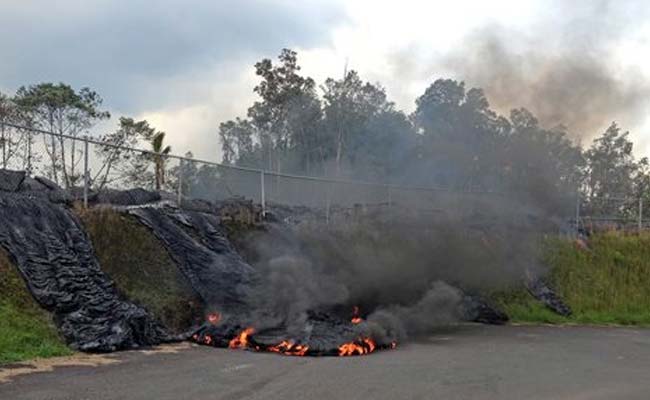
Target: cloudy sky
point(186, 65)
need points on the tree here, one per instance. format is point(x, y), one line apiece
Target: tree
point(16, 143)
point(384, 149)
point(542, 163)
point(237, 143)
point(642, 180)
point(59, 108)
point(349, 104)
point(119, 164)
point(186, 174)
point(460, 135)
point(159, 158)
point(8, 114)
point(610, 170)
point(278, 134)
point(437, 109)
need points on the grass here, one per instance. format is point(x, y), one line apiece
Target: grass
point(141, 268)
point(606, 283)
point(26, 331)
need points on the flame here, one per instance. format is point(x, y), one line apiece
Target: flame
point(371, 345)
point(241, 340)
point(244, 340)
point(356, 319)
point(360, 347)
point(289, 348)
point(214, 318)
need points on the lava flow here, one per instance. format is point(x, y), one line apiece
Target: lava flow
point(356, 319)
point(289, 348)
point(241, 341)
point(211, 336)
point(358, 348)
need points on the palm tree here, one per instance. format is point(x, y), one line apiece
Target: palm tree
point(159, 158)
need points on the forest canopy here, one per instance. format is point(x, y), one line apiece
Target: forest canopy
point(345, 128)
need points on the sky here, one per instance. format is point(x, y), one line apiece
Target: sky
point(186, 66)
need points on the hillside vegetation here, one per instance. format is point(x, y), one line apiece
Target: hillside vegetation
point(606, 282)
point(141, 268)
point(26, 330)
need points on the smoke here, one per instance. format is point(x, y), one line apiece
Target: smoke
point(404, 271)
point(568, 68)
point(409, 272)
point(293, 287)
point(441, 305)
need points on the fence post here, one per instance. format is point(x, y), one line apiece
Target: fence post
point(4, 148)
point(262, 193)
point(86, 177)
point(29, 153)
point(577, 211)
point(328, 202)
point(640, 214)
point(180, 182)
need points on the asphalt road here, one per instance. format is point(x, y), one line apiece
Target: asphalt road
point(472, 362)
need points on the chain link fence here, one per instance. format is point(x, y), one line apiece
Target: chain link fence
point(88, 165)
point(612, 212)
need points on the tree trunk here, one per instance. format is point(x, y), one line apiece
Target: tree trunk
point(158, 172)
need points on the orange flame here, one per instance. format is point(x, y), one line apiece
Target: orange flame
point(360, 347)
point(371, 345)
point(289, 348)
point(241, 340)
point(356, 319)
point(214, 318)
